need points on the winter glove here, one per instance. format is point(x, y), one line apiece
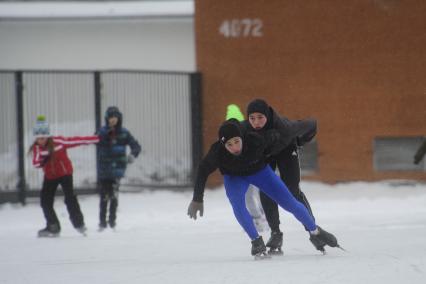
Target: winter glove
point(193, 207)
point(130, 159)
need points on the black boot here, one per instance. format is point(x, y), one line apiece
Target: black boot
point(51, 230)
point(258, 248)
point(82, 230)
point(112, 223)
point(322, 239)
point(275, 242)
point(102, 226)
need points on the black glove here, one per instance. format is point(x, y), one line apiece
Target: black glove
point(193, 207)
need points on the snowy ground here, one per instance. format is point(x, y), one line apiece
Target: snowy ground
point(382, 226)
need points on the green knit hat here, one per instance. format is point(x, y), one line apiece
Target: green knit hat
point(233, 111)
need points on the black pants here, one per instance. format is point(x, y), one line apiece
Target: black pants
point(288, 166)
point(47, 198)
point(108, 190)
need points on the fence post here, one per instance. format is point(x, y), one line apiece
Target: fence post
point(196, 121)
point(97, 86)
point(19, 89)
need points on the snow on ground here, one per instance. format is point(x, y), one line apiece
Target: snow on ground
point(382, 226)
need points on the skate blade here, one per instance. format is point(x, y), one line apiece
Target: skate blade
point(275, 252)
point(84, 234)
point(262, 256)
point(48, 235)
point(342, 248)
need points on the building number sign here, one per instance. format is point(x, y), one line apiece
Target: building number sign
point(237, 28)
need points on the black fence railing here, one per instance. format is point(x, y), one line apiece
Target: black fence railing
point(161, 109)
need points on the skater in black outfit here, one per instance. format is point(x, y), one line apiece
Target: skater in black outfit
point(112, 163)
point(261, 118)
point(241, 158)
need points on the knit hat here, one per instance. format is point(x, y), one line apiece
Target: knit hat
point(233, 111)
point(41, 128)
point(229, 129)
point(258, 105)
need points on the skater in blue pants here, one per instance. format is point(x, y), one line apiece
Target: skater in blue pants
point(242, 160)
point(270, 184)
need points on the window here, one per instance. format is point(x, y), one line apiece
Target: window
point(309, 158)
point(396, 153)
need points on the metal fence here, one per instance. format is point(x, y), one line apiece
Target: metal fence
point(160, 109)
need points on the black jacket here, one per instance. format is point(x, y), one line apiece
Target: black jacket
point(296, 131)
point(256, 149)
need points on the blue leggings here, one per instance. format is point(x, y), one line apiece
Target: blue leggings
point(270, 184)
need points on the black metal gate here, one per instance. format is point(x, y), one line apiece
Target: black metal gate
point(161, 110)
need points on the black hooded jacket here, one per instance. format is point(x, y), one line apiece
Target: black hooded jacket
point(295, 131)
point(256, 149)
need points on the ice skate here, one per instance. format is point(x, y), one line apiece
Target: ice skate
point(82, 230)
point(322, 238)
point(258, 249)
point(51, 231)
point(112, 224)
point(275, 243)
point(102, 226)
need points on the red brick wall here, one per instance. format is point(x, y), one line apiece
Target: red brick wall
point(359, 67)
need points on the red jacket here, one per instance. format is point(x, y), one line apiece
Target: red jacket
point(59, 165)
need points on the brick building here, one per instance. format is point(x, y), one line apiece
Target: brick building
point(359, 67)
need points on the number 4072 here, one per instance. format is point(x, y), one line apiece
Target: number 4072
point(241, 28)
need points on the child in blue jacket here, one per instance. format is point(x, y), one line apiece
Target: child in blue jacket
point(112, 163)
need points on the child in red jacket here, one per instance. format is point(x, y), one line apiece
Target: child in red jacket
point(50, 154)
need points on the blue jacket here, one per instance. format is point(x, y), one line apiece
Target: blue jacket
point(112, 151)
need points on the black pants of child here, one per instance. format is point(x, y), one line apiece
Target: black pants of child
point(288, 166)
point(108, 190)
point(47, 198)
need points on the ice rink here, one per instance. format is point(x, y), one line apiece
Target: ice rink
point(382, 226)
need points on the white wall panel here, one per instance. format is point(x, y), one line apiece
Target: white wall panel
point(142, 44)
point(8, 130)
point(156, 110)
point(67, 101)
